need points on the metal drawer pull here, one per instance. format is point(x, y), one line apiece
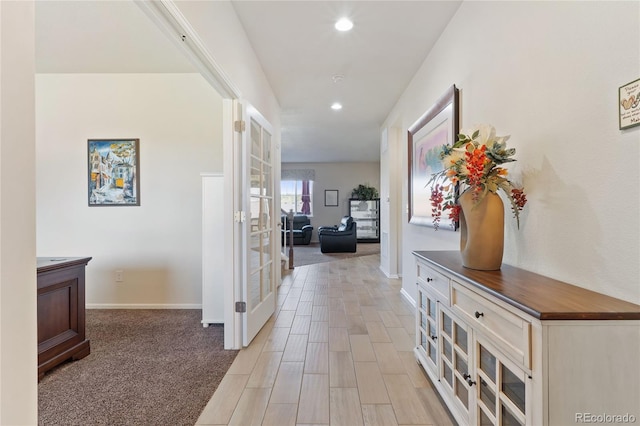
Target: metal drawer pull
point(479, 314)
point(429, 279)
point(433, 338)
point(467, 377)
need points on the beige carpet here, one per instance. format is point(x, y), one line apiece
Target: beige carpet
point(308, 255)
point(147, 367)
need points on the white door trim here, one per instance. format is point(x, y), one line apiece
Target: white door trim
point(167, 16)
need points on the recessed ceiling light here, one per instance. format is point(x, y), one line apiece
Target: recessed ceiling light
point(337, 78)
point(336, 106)
point(344, 24)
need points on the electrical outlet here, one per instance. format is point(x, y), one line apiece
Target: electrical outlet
point(119, 276)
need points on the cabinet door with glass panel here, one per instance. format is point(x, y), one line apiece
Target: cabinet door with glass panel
point(427, 335)
point(504, 389)
point(456, 364)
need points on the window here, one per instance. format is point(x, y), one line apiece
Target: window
point(297, 195)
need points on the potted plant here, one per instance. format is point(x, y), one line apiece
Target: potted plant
point(364, 192)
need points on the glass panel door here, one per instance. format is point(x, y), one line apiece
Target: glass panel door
point(259, 291)
point(502, 389)
point(487, 386)
point(427, 328)
point(456, 341)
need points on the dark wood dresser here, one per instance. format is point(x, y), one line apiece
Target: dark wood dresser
point(61, 311)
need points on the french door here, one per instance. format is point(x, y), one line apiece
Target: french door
point(258, 226)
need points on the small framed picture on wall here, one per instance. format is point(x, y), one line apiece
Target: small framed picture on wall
point(629, 104)
point(331, 198)
point(113, 172)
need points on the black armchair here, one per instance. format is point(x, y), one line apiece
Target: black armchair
point(338, 239)
point(302, 230)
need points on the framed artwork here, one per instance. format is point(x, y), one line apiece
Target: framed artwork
point(437, 127)
point(331, 198)
point(629, 105)
point(113, 172)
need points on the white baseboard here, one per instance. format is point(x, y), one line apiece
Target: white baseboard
point(408, 297)
point(143, 306)
point(388, 275)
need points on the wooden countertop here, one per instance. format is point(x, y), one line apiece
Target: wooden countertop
point(539, 296)
point(46, 264)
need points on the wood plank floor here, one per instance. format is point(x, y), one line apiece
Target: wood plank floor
point(337, 352)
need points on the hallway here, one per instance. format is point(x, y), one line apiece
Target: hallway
point(339, 352)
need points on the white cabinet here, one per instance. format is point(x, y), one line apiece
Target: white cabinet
point(366, 214)
point(511, 347)
point(212, 249)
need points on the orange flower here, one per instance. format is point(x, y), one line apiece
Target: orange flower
point(476, 160)
point(454, 213)
point(452, 175)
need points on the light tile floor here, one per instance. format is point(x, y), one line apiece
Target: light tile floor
point(338, 351)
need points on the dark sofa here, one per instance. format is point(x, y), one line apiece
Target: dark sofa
point(338, 239)
point(302, 230)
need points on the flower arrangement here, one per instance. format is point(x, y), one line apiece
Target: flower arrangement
point(473, 161)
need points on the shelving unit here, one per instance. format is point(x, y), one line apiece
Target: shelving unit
point(366, 214)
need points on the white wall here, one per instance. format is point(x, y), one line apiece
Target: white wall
point(219, 28)
point(548, 74)
point(341, 176)
point(18, 328)
point(178, 118)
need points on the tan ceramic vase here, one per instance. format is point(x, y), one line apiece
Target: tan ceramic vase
point(481, 231)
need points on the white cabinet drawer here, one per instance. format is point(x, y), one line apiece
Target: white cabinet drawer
point(438, 283)
point(506, 329)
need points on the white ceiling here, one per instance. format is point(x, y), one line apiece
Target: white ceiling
point(299, 50)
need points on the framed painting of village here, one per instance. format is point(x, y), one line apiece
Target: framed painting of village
point(113, 172)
